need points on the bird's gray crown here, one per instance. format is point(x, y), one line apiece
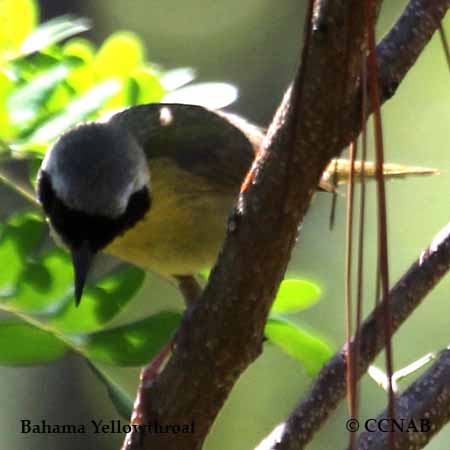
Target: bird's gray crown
point(95, 168)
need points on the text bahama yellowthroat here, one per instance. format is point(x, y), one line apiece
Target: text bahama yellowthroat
point(153, 185)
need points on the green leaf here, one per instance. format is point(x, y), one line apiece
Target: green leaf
point(53, 31)
point(75, 112)
point(205, 274)
point(100, 303)
point(174, 79)
point(294, 296)
point(80, 48)
point(57, 100)
point(24, 344)
point(209, 95)
point(44, 285)
point(6, 86)
point(149, 87)
point(82, 78)
point(29, 66)
point(310, 350)
point(17, 19)
point(119, 396)
point(134, 344)
point(32, 282)
point(18, 239)
point(25, 101)
point(119, 55)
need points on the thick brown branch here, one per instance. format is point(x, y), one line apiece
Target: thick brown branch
point(223, 333)
point(330, 386)
point(424, 408)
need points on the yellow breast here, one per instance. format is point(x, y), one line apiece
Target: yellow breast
point(185, 227)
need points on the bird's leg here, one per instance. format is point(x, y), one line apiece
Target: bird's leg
point(191, 291)
point(152, 369)
point(189, 288)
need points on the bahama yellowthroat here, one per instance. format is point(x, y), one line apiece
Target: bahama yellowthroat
point(153, 185)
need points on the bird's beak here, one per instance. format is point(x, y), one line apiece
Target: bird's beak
point(81, 259)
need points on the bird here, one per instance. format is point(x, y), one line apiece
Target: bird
point(152, 185)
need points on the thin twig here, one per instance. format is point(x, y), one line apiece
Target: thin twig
point(401, 47)
point(383, 258)
point(351, 380)
point(18, 185)
point(422, 410)
point(362, 222)
point(397, 53)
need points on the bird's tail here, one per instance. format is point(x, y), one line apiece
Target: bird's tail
point(338, 172)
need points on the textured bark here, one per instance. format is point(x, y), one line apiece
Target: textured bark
point(223, 333)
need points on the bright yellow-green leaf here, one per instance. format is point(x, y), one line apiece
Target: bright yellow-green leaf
point(81, 48)
point(119, 55)
point(59, 98)
point(294, 296)
point(310, 350)
point(143, 86)
point(205, 273)
point(75, 111)
point(149, 86)
point(6, 86)
point(118, 100)
point(82, 78)
point(17, 20)
point(25, 101)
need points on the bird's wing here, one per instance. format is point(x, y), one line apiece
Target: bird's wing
point(205, 143)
